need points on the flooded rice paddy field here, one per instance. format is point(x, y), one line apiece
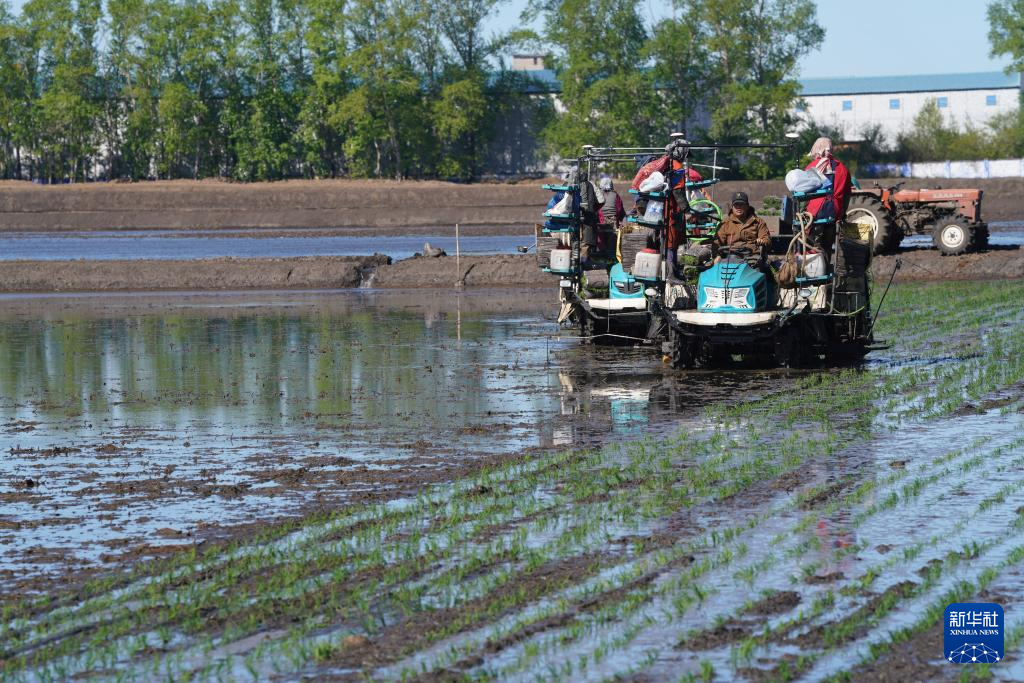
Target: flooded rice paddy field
point(271, 243)
point(426, 486)
point(256, 243)
point(135, 426)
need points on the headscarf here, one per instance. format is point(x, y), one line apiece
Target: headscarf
point(605, 183)
point(821, 147)
point(821, 152)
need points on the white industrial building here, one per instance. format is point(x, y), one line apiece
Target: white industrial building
point(856, 103)
point(852, 104)
point(892, 102)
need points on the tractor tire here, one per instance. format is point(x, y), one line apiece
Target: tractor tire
point(867, 208)
point(681, 354)
point(954, 235)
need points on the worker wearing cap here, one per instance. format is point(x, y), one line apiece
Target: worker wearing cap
point(742, 229)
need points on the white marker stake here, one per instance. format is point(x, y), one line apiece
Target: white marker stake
point(458, 256)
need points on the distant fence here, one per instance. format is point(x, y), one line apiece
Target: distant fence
point(996, 168)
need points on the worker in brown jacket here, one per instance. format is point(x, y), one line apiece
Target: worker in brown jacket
point(742, 228)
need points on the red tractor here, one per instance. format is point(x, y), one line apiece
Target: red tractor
point(951, 217)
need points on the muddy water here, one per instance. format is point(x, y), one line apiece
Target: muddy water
point(130, 426)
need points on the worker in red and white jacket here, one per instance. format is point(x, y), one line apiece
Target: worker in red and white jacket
point(833, 206)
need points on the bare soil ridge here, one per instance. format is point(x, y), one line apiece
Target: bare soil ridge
point(338, 272)
point(319, 272)
point(384, 207)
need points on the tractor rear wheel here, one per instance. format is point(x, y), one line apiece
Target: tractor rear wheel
point(868, 210)
point(954, 235)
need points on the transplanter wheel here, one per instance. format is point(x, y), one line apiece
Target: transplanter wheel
point(681, 350)
point(868, 210)
point(954, 235)
point(787, 352)
point(849, 353)
point(586, 324)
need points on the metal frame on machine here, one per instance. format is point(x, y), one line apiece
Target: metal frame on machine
point(593, 156)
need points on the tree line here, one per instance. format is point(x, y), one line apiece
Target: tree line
point(269, 89)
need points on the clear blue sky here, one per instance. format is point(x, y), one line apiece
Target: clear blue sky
point(875, 37)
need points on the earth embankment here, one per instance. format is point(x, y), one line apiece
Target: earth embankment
point(336, 272)
point(369, 207)
point(319, 272)
point(389, 207)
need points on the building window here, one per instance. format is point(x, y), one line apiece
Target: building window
point(894, 104)
point(847, 105)
point(990, 100)
point(943, 102)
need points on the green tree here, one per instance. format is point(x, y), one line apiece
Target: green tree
point(931, 135)
point(1006, 31)
point(462, 24)
point(1006, 35)
point(318, 142)
point(130, 79)
point(273, 69)
point(462, 119)
point(1006, 132)
point(752, 48)
point(466, 107)
point(934, 138)
point(180, 114)
point(15, 104)
point(682, 69)
point(62, 39)
point(382, 116)
point(609, 97)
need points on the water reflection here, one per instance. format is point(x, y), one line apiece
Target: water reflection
point(268, 367)
point(167, 416)
point(146, 419)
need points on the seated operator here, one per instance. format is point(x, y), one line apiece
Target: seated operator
point(742, 229)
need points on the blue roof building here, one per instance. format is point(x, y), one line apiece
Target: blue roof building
point(892, 102)
point(853, 104)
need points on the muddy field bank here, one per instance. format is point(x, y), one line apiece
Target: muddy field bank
point(339, 272)
point(386, 207)
point(322, 272)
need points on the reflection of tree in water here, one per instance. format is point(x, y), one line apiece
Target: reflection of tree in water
point(369, 364)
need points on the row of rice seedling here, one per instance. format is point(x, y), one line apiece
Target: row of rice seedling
point(473, 552)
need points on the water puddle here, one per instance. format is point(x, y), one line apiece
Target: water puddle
point(161, 246)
